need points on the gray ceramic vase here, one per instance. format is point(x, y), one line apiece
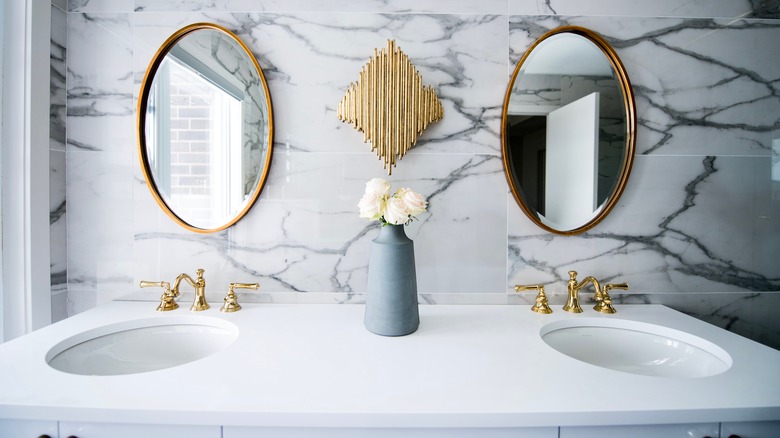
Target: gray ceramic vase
point(391, 299)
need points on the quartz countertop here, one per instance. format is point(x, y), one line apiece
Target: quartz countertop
point(317, 366)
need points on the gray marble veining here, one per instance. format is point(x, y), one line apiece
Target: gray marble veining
point(57, 173)
point(726, 99)
point(696, 228)
point(656, 8)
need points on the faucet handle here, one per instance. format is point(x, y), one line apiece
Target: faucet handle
point(167, 301)
point(609, 287)
point(604, 305)
point(231, 300)
point(541, 306)
point(164, 284)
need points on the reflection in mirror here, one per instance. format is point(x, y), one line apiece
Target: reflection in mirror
point(568, 130)
point(205, 128)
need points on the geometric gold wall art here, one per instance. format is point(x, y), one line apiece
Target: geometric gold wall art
point(389, 104)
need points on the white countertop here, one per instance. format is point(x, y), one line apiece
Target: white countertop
point(316, 365)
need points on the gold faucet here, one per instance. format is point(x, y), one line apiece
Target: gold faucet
point(167, 299)
point(200, 290)
point(606, 303)
point(541, 306)
point(603, 300)
point(573, 303)
point(231, 300)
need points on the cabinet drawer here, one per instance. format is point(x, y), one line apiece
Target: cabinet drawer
point(274, 432)
point(115, 430)
point(27, 428)
point(643, 431)
point(758, 429)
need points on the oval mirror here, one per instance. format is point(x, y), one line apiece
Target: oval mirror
point(568, 130)
point(205, 128)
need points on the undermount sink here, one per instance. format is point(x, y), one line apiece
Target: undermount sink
point(141, 345)
point(636, 347)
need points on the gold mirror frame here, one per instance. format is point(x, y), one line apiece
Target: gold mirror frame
point(143, 97)
point(630, 113)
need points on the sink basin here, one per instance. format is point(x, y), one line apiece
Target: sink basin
point(636, 347)
point(142, 345)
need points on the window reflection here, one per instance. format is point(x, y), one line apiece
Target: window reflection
point(196, 156)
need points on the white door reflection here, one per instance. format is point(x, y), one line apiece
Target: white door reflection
point(571, 165)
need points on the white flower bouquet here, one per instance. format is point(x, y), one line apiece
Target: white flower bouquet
point(399, 208)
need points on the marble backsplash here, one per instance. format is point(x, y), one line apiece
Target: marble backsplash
point(698, 227)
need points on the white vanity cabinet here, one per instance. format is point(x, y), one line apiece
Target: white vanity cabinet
point(498, 432)
point(769, 429)
point(702, 430)
point(758, 429)
point(115, 430)
point(27, 428)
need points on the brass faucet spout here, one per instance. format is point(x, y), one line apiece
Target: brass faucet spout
point(573, 302)
point(178, 280)
point(200, 289)
point(603, 300)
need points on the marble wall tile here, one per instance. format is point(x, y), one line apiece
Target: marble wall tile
point(447, 50)
point(100, 82)
point(695, 228)
point(62, 5)
point(100, 5)
point(57, 173)
point(725, 103)
point(393, 6)
point(81, 300)
point(670, 232)
point(58, 221)
point(100, 227)
point(304, 234)
point(58, 50)
point(59, 305)
point(656, 8)
point(776, 168)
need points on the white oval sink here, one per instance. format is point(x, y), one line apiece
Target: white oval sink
point(636, 347)
point(140, 346)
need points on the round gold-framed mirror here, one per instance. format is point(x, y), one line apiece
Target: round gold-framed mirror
point(568, 130)
point(205, 128)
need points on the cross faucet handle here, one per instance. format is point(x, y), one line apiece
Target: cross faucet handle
point(167, 301)
point(231, 300)
point(604, 305)
point(609, 287)
point(541, 306)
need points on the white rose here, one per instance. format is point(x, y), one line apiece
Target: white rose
point(378, 187)
point(396, 212)
point(371, 206)
point(414, 201)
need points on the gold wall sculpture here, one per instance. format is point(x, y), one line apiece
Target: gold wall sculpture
point(390, 105)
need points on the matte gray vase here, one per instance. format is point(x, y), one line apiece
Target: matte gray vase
point(391, 300)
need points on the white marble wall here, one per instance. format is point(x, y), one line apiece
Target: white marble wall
point(57, 218)
point(698, 227)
